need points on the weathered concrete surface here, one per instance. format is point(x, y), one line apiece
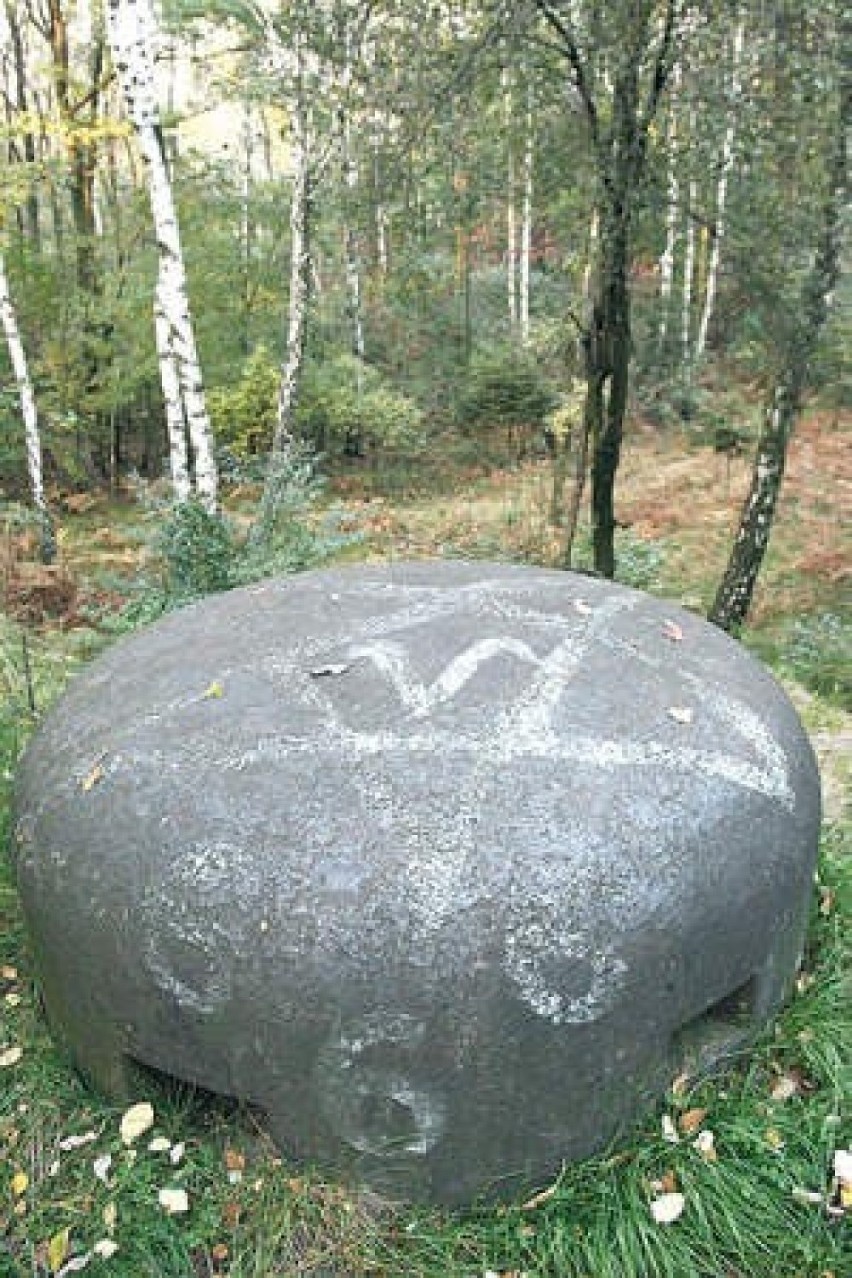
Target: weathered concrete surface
point(446, 867)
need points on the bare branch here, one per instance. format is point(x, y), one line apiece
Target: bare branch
point(570, 48)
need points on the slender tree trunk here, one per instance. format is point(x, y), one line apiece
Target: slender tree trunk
point(734, 596)
point(32, 434)
point(133, 32)
point(300, 277)
point(672, 214)
point(246, 226)
point(591, 410)
point(721, 195)
point(511, 210)
point(688, 269)
point(173, 403)
point(526, 220)
point(607, 377)
point(31, 211)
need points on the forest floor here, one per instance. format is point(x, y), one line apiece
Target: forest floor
point(760, 1194)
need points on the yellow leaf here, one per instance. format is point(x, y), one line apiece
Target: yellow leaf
point(20, 1181)
point(88, 783)
point(773, 1138)
point(136, 1121)
point(215, 689)
point(110, 1216)
point(9, 973)
point(57, 1249)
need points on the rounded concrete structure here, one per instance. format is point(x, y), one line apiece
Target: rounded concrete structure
point(448, 868)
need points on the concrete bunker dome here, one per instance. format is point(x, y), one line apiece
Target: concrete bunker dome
point(448, 868)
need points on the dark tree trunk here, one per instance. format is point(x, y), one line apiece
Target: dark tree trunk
point(734, 596)
point(618, 127)
point(607, 370)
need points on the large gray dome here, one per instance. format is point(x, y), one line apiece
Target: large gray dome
point(447, 867)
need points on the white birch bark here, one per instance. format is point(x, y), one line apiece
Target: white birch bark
point(511, 211)
point(350, 235)
point(175, 424)
point(721, 193)
point(672, 213)
point(689, 262)
point(133, 33)
point(300, 269)
point(526, 221)
point(32, 434)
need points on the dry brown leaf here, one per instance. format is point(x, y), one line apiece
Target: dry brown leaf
point(136, 1121)
point(785, 1087)
point(234, 1160)
point(673, 631)
point(691, 1120)
point(231, 1214)
point(668, 1183)
point(219, 1252)
point(8, 973)
point(826, 902)
point(680, 1085)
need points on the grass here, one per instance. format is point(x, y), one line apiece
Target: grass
point(764, 1207)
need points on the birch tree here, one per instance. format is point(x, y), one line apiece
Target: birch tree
point(132, 34)
point(32, 434)
point(722, 192)
point(800, 333)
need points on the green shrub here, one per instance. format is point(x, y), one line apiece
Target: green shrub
point(243, 415)
point(346, 405)
point(508, 389)
point(197, 549)
point(819, 655)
